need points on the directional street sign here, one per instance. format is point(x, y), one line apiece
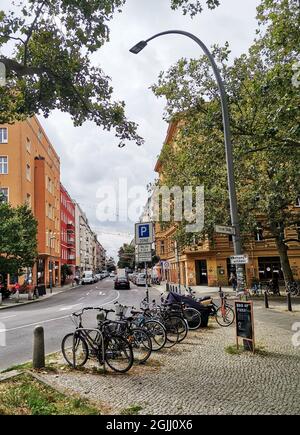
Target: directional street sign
point(224, 229)
point(239, 259)
point(143, 233)
point(144, 248)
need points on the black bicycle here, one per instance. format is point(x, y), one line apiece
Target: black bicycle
point(101, 343)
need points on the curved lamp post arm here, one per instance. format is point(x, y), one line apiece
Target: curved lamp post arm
point(227, 138)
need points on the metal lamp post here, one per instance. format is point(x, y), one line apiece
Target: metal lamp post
point(227, 139)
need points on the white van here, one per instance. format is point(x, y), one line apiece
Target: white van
point(87, 277)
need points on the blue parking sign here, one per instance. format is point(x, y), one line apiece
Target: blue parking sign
point(144, 231)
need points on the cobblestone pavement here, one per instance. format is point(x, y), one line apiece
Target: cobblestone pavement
point(200, 377)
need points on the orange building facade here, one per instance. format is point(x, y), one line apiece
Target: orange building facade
point(30, 173)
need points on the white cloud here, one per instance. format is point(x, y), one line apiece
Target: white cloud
point(90, 157)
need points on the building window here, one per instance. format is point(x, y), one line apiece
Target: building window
point(3, 194)
point(259, 236)
point(298, 230)
point(28, 172)
point(3, 135)
point(28, 145)
point(40, 134)
point(298, 201)
point(3, 165)
point(162, 247)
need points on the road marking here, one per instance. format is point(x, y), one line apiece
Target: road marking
point(51, 320)
point(102, 294)
point(81, 298)
point(69, 307)
point(7, 317)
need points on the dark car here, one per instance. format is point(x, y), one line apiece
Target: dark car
point(122, 282)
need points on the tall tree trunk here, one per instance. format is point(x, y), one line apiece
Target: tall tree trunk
point(284, 259)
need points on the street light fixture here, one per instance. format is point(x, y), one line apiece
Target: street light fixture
point(227, 139)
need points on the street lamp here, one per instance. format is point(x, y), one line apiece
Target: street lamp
point(227, 139)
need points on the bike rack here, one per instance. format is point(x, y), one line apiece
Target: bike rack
point(88, 329)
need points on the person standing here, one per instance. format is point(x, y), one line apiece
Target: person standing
point(233, 281)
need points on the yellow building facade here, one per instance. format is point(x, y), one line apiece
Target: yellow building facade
point(208, 263)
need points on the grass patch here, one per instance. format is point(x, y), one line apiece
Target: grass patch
point(25, 395)
point(131, 410)
point(25, 366)
point(233, 350)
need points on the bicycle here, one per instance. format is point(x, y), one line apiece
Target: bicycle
point(293, 287)
point(138, 337)
point(223, 314)
point(190, 314)
point(99, 342)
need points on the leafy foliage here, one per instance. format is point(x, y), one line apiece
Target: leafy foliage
point(51, 64)
point(264, 109)
point(18, 238)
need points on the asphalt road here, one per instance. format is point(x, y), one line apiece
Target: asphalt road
point(17, 324)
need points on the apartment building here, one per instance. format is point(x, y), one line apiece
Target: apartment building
point(30, 173)
point(67, 229)
point(208, 262)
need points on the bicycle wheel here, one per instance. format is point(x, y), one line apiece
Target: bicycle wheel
point(118, 354)
point(157, 333)
point(141, 345)
point(181, 325)
point(225, 316)
point(193, 317)
point(172, 333)
point(81, 350)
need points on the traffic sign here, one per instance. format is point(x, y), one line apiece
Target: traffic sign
point(142, 257)
point(143, 233)
point(239, 259)
point(224, 229)
point(144, 248)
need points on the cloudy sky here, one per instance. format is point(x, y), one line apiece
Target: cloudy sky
point(90, 159)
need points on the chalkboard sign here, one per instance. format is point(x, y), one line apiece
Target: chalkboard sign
point(244, 321)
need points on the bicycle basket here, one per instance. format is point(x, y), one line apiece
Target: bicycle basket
point(120, 309)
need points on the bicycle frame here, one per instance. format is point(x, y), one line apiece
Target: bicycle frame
point(90, 342)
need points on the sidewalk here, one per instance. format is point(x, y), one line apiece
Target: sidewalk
point(11, 302)
point(200, 290)
point(202, 375)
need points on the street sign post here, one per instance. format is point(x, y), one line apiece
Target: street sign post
point(224, 229)
point(239, 259)
point(143, 257)
point(143, 233)
point(144, 248)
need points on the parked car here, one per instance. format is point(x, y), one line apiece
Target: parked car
point(112, 274)
point(87, 277)
point(98, 276)
point(141, 279)
point(122, 282)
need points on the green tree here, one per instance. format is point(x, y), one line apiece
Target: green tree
point(264, 109)
point(126, 256)
point(18, 238)
point(51, 68)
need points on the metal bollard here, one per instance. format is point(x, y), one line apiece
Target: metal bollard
point(0, 298)
point(17, 299)
point(38, 359)
point(30, 295)
point(266, 300)
point(289, 301)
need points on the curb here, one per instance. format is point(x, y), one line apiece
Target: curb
point(21, 304)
